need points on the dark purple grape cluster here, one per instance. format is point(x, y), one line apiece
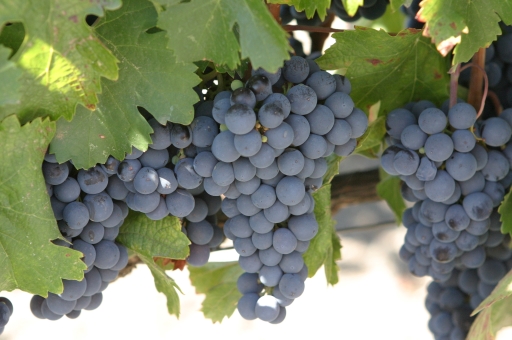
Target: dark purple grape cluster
point(451, 303)
point(254, 152)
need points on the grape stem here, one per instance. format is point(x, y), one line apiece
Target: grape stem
point(495, 101)
point(454, 84)
point(472, 95)
point(476, 97)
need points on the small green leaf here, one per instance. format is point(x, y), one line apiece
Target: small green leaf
point(395, 4)
point(310, 6)
point(213, 37)
point(28, 260)
point(217, 280)
point(10, 74)
point(393, 69)
point(150, 238)
point(165, 285)
point(12, 36)
point(470, 25)
point(505, 211)
point(502, 291)
point(373, 136)
point(61, 58)
point(491, 320)
point(333, 167)
point(149, 76)
point(389, 190)
point(351, 6)
point(323, 250)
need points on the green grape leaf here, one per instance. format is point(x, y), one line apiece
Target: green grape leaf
point(217, 280)
point(10, 74)
point(324, 247)
point(12, 36)
point(468, 25)
point(28, 260)
point(310, 6)
point(373, 135)
point(491, 320)
point(351, 6)
point(150, 238)
point(502, 291)
point(389, 190)
point(395, 4)
point(505, 211)
point(164, 284)
point(393, 69)
point(333, 167)
point(149, 76)
point(216, 26)
point(61, 59)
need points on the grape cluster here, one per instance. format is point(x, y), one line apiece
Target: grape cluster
point(89, 220)
point(370, 10)
point(6, 310)
point(262, 151)
point(454, 181)
point(451, 303)
point(266, 161)
point(456, 170)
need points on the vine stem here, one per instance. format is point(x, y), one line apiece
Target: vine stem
point(495, 101)
point(485, 90)
point(275, 11)
point(454, 84)
point(475, 84)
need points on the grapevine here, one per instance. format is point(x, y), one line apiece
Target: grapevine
point(168, 134)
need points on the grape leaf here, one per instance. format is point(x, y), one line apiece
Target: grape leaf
point(491, 320)
point(164, 284)
point(217, 280)
point(333, 167)
point(10, 74)
point(470, 25)
point(373, 136)
point(149, 76)
point(505, 211)
point(12, 36)
point(150, 238)
point(389, 190)
point(393, 69)
point(351, 6)
point(502, 291)
point(310, 6)
point(395, 4)
point(61, 59)
point(213, 35)
point(324, 247)
point(28, 260)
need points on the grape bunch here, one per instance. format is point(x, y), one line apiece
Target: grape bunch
point(451, 303)
point(6, 310)
point(254, 153)
point(267, 159)
point(89, 220)
point(454, 181)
